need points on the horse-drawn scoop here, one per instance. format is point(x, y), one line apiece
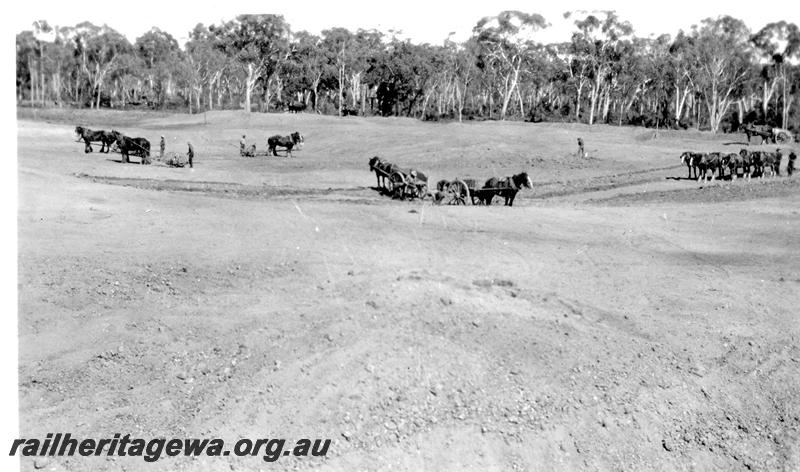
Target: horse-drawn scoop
point(463, 190)
point(399, 182)
point(412, 184)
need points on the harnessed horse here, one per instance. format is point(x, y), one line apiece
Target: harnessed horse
point(506, 188)
point(287, 142)
point(771, 161)
point(687, 159)
point(733, 162)
point(380, 168)
point(764, 133)
point(764, 162)
point(296, 107)
point(136, 146)
point(89, 136)
point(705, 162)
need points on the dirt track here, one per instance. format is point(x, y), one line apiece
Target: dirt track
point(616, 318)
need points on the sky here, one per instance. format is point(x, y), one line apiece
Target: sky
point(419, 20)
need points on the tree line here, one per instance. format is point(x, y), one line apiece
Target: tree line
point(716, 76)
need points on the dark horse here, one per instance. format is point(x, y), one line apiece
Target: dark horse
point(89, 136)
point(136, 146)
point(762, 131)
point(506, 188)
point(296, 107)
point(287, 142)
point(482, 195)
point(379, 167)
point(705, 162)
point(688, 159)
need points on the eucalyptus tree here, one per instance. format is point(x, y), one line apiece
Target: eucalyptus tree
point(207, 64)
point(722, 58)
point(599, 44)
point(351, 54)
point(27, 48)
point(98, 49)
point(506, 46)
point(780, 44)
point(307, 66)
point(162, 60)
point(682, 71)
point(258, 43)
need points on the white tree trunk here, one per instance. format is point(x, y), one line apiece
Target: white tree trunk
point(593, 101)
point(768, 91)
point(509, 92)
point(786, 104)
point(250, 82)
point(606, 104)
point(341, 88)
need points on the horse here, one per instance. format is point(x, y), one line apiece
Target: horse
point(136, 146)
point(733, 162)
point(747, 162)
point(763, 162)
point(379, 167)
point(764, 133)
point(89, 136)
point(686, 159)
point(704, 162)
point(506, 188)
point(770, 161)
point(715, 162)
point(296, 107)
point(287, 142)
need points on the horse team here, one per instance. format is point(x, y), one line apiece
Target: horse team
point(752, 164)
point(402, 183)
point(127, 146)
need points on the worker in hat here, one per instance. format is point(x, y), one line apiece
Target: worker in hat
point(190, 154)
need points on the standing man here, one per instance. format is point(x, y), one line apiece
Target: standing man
point(790, 165)
point(242, 146)
point(190, 154)
point(163, 146)
point(580, 148)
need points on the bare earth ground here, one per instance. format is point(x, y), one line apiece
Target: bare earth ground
point(616, 318)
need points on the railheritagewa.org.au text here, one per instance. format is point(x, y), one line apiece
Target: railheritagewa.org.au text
point(151, 450)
